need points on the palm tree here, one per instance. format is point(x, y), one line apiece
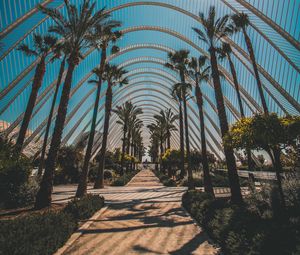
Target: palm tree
point(157, 135)
point(182, 91)
point(60, 49)
point(225, 52)
point(113, 75)
point(179, 61)
point(133, 124)
point(177, 97)
point(159, 131)
point(100, 39)
point(82, 185)
point(201, 74)
point(75, 28)
point(137, 142)
point(125, 113)
point(168, 118)
point(241, 22)
point(43, 46)
point(215, 29)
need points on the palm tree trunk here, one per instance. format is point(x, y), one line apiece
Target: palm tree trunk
point(235, 189)
point(42, 160)
point(169, 140)
point(161, 154)
point(236, 85)
point(82, 185)
point(128, 142)
point(206, 176)
point(99, 183)
point(275, 157)
point(187, 142)
point(43, 198)
point(182, 172)
point(37, 82)
point(123, 147)
point(255, 69)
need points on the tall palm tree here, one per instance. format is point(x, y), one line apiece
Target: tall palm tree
point(179, 61)
point(82, 185)
point(157, 134)
point(241, 22)
point(182, 91)
point(125, 113)
point(158, 129)
point(43, 46)
point(225, 52)
point(75, 28)
point(177, 97)
point(168, 118)
point(60, 49)
point(100, 39)
point(133, 124)
point(137, 141)
point(201, 74)
point(113, 75)
point(215, 29)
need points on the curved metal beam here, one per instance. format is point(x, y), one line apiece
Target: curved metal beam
point(273, 82)
point(272, 24)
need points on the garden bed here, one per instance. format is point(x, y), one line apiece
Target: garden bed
point(242, 231)
point(165, 180)
point(123, 180)
point(43, 232)
point(218, 180)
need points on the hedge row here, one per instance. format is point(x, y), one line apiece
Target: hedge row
point(239, 231)
point(43, 234)
point(124, 179)
point(218, 180)
point(165, 180)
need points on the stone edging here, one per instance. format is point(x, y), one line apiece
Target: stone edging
point(78, 232)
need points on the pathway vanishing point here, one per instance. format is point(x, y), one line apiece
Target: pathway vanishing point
point(142, 218)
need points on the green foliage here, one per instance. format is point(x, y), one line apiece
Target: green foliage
point(264, 131)
point(165, 180)
point(16, 187)
point(218, 180)
point(246, 230)
point(39, 234)
point(123, 180)
point(69, 160)
point(85, 207)
point(171, 158)
point(43, 234)
point(20, 196)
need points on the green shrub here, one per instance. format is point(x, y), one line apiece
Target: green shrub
point(192, 196)
point(43, 234)
point(21, 196)
point(40, 234)
point(241, 230)
point(217, 179)
point(169, 183)
point(107, 175)
point(123, 180)
point(165, 180)
point(85, 207)
point(16, 188)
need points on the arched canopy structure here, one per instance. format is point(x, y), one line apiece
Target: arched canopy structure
point(151, 29)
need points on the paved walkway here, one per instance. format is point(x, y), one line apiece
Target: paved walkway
point(142, 218)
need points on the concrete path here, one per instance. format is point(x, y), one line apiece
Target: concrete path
point(142, 218)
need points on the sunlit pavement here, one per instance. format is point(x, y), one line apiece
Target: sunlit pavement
point(142, 218)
